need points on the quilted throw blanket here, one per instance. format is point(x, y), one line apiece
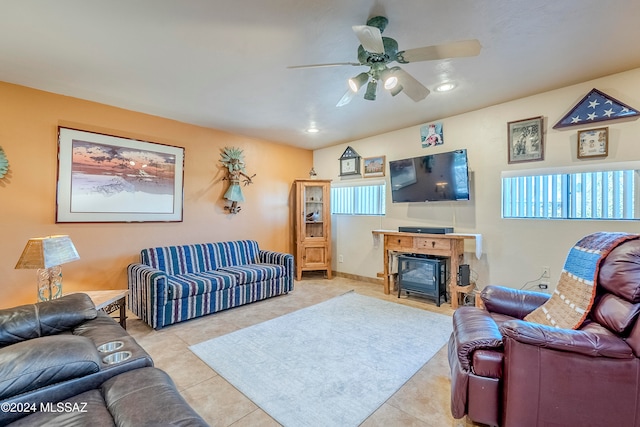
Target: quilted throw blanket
point(570, 303)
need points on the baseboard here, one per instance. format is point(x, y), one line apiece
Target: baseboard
point(359, 278)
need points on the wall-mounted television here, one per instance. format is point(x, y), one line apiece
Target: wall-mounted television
point(431, 178)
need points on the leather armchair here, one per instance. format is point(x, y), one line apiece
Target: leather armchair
point(509, 372)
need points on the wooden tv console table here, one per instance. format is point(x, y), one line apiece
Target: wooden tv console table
point(444, 245)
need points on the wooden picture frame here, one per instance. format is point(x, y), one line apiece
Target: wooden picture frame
point(106, 178)
point(374, 166)
point(593, 143)
point(525, 140)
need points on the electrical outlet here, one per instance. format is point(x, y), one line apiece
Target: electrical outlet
point(340, 258)
point(543, 285)
point(546, 272)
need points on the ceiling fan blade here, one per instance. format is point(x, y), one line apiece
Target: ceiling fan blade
point(333, 64)
point(370, 38)
point(346, 98)
point(410, 86)
point(441, 51)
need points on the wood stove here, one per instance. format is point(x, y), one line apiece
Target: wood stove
point(423, 275)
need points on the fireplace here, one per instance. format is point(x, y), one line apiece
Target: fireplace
point(423, 275)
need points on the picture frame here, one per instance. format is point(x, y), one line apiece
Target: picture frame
point(525, 141)
point(432, 135)
point(593, 143)
point(374, 166)
point(107, 178)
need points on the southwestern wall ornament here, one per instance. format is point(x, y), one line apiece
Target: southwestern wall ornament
point(233, 159)
point(4, 163)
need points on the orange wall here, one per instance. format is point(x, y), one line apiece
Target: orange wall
point(29, 121)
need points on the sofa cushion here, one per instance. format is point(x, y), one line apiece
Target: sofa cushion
point(45, 318)
point(187, 285)
point(620, 271)
point(200, 257)
point(615, 313)
point(252, 273)
point(39, 362)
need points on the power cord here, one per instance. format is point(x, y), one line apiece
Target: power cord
point(528, 285)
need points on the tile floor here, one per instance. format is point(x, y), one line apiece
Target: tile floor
point(423, 401)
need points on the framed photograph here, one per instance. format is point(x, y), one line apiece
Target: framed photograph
point(432, 135)
point(105, 178)
point(525, 140)
point(374, 166)
point(593, 143)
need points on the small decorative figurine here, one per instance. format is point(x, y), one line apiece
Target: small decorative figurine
point(233, 159)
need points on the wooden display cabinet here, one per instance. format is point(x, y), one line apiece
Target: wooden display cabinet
point(313, 226)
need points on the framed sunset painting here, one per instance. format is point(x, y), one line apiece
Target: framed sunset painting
point(106, 178)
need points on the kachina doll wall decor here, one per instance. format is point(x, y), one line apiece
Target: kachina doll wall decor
point(233, 159)
point(4, 163)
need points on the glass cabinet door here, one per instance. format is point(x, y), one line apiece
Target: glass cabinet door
point(313, 204)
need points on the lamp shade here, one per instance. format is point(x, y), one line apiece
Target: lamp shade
point(358, 81)
point(46, 252)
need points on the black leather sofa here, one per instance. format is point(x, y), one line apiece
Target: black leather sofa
point(64, 362)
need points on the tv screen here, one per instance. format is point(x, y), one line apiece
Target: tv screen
point(436, 177)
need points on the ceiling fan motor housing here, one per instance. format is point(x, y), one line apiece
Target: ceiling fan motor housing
point(380, 22)
point(389, 55)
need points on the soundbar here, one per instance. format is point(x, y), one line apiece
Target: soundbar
point(426, 230)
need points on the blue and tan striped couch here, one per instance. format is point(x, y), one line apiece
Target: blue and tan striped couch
point(176, 283)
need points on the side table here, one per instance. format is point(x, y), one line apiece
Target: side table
point(111, 301)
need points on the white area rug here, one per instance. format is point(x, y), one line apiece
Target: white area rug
point(331, 364)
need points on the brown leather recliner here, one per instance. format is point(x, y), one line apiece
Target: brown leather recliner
point(509, 372)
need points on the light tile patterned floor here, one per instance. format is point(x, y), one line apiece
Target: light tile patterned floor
point(423, 401)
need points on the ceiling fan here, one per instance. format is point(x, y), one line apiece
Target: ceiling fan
point(378, 52)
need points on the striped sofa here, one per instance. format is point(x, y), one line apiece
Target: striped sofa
point(176, 283)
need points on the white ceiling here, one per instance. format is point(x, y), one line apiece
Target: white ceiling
point(222, 64)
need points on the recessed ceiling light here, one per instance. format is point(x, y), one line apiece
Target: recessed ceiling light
point(445, 87)
point(313, 130)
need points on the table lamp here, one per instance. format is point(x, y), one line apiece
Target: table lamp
point(47, 254)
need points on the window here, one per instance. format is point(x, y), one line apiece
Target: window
point(583, 194)
point(359, 198)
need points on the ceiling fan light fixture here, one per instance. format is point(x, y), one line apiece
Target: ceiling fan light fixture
point(355, 83)
point(372, 87)
point(390, 82)
point(396, 90)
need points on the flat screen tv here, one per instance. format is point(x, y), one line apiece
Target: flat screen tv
point(436, 177)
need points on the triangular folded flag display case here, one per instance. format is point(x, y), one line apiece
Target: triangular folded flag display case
point(596, 106)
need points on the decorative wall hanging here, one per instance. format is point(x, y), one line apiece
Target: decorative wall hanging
point(374, 166)
point(233, 159)
point(105, 178)
point(4, 163)
point(525, 140)
point(593, 143)
point(596, 106)
point(349, 162)
point(431, 135)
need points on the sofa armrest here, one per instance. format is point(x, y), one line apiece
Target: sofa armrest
point(569, 340)
point(44, 318)
point(511, 302)
point(147, 291)
point(40, 362)
point(149, 397)
point(280, 258)
point(474, 329)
